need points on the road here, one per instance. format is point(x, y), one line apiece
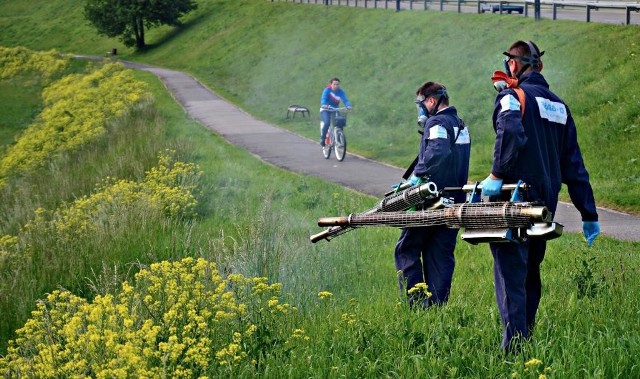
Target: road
point(577, 13)
point(301, 155)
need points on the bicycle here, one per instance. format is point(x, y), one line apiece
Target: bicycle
point(335, 138)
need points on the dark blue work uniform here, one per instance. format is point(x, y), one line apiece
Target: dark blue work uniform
point(425, 254)
point(540, 148)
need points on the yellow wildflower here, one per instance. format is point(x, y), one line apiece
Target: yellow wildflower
point(325, 295)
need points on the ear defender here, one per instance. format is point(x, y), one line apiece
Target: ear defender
point(535, 61)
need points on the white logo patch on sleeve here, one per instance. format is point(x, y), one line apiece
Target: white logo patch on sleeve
point(437, 131)
point(509, 103)
point(552, 111)
point(463, 137)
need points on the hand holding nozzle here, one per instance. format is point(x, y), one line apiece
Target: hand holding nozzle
point(412, 181)
point(473, 187)
point(491, 186)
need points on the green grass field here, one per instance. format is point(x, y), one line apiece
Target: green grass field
point(264, 56)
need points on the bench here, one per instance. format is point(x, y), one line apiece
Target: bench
point(293, 109)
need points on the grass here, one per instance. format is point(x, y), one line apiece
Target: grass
point(264, 56)
point(587, 323)
point(22, 106)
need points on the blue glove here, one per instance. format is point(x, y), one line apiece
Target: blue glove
point(591, 229)
point(413, 180)
point(491, 187)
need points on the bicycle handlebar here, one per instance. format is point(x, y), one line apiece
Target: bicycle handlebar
point(334, 109)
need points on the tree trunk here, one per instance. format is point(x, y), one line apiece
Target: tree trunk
point(138, 28)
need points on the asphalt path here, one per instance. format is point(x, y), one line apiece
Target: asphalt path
point(295, 153)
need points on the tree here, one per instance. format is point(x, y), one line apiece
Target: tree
point(127, 19)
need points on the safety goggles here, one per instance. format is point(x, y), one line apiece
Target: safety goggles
point(524, 60)
point(420, 104)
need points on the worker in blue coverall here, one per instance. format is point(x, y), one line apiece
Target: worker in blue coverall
point(539, 147)
point(331, 97)
point(425, 254)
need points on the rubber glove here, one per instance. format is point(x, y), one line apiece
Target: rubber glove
point(591, 229)
point(414, 180)
point(491, 187)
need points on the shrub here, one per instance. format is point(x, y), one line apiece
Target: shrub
point(178, 319)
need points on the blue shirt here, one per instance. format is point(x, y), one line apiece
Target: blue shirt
point(333, 98)
point(541, 147)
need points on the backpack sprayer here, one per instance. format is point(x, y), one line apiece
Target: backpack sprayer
point(508, 221)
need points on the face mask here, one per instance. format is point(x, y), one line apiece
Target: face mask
point(423, 114)
point(499, 85)
point(507, 70)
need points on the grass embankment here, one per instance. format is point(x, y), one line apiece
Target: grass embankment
point(587, 321)
point(265, 56)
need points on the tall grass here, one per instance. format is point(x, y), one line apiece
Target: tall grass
point(366, 330)
point(264, 56)
point(127, 153)
point(261, 227)
point(51, 262)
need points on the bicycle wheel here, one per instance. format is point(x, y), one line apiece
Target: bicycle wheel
point(340, 144)
point(328, 144)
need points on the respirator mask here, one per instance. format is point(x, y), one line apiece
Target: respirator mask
point(423, 114)
point(533, 61)
point(499, 85)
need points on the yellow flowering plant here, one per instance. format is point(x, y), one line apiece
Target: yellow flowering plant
point(534, 369)
point(65, 238)
point(178, 319)
point(76, 111)
point(167, 189)
point(18, 61)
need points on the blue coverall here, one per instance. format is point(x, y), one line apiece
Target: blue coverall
point(540, 148)
point(332, 99)
point(425, 254)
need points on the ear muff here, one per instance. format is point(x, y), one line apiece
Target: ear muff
point(534, 59)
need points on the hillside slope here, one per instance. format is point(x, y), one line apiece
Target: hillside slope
point(264, 56)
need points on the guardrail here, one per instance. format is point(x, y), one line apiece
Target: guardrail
point(588, 6)
point(555, 5)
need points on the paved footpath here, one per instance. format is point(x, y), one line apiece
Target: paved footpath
point(299, 154)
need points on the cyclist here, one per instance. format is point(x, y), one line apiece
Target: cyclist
point(331, 98)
